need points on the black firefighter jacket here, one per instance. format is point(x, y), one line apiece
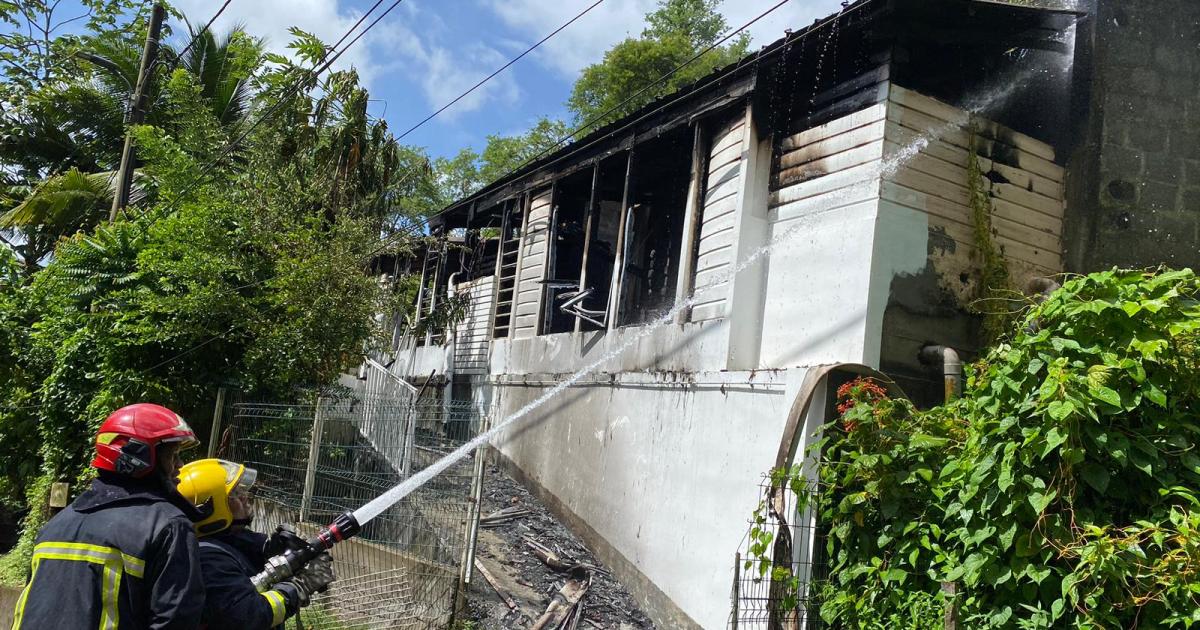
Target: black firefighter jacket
point(123, 556)
point(228, 561)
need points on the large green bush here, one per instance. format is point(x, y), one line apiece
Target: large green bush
point(1061, 490)
point(255, 275)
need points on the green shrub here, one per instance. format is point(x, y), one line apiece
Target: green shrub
point(1062, 489)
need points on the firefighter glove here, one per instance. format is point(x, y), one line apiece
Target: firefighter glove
point(313, 578)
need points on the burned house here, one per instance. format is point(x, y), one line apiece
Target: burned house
point(702, 270)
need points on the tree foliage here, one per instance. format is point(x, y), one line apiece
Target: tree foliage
point(247, 263)
point(469, 170)
point(63, 133)
point(1061, 491)
point(677, 31)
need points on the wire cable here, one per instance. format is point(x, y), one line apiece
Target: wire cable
point(603, 115)
point(204, 30)
point(499, 70)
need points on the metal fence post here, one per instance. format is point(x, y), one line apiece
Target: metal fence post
point(314, 454)
point(214, 436)
point(737, 584)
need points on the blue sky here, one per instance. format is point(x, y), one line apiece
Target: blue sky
point(426, 52)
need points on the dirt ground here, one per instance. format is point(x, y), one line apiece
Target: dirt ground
point(526, 579)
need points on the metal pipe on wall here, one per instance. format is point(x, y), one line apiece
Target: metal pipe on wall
point(952, 368)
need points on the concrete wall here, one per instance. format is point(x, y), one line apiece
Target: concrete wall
point(675, 347)
point(8, 605)
point(1135, 194)
point(658, 475)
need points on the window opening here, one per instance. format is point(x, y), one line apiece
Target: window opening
point(572, 198)
point(654, 226)
point(604, 226)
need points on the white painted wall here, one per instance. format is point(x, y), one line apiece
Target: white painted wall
point(753, 230)
point(473, 334)
point(819, 284)
point(535, 250)
point(687, 347)
point(666, 474)
point(419, 361)
point(718, 216)
point(823, 221)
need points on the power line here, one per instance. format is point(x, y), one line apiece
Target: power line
point(499, 70)
point(601, 116)
point(204, 30)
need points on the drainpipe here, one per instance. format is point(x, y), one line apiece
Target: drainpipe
point(451, 338)
point(952, 367)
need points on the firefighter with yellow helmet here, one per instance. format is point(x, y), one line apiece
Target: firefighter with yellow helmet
point(230, 554)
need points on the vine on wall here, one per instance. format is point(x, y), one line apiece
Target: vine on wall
point(994, 290)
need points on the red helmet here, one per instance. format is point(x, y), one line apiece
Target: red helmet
point(127, 442)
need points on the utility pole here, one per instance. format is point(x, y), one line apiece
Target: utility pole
point(137, 111)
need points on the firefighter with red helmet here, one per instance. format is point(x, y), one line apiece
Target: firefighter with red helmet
point(122, 556)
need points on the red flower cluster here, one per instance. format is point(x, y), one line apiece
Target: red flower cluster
point(860, 390)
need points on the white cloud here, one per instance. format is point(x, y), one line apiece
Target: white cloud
point(794, 15)
point(585, 41)
point(581, 43)
point(442, 68)
point(271, 20)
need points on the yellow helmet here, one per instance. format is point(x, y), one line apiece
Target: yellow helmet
point(207, 484)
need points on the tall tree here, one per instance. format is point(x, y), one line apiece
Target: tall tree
point(676, 31)
point(63, 136)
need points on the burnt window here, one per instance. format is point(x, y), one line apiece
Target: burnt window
point(568, 238)
point(584, 230)
point(605, 227)
point(654, 224)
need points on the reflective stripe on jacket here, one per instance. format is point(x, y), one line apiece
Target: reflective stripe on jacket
point(123, 556)
point(228, 561)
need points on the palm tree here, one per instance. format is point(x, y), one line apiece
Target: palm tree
point(60, 206)
point(69, 147)
point(224, 85)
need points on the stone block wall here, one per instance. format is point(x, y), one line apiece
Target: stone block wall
point(1135, 200)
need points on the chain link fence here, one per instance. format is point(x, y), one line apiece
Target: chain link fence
point(318, 459)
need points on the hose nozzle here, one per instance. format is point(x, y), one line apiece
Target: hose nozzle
point(290, 562)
